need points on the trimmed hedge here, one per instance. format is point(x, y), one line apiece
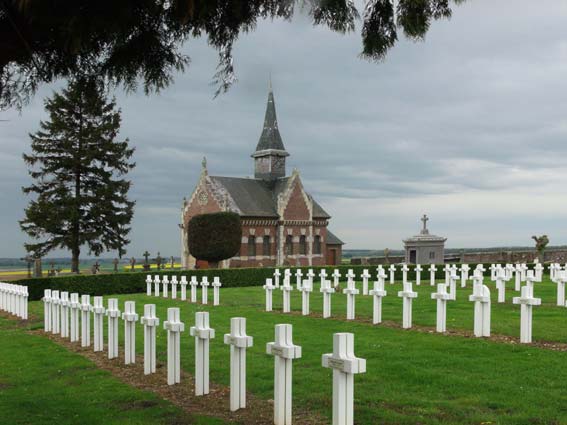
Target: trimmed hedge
point(135, 282)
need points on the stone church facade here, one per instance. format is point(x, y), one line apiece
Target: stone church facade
point(281, 223)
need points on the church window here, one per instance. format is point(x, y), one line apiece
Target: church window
point(289, 245)
point(302, 245)
point(266, 246)
point(432, 255)
point(317, 244)
point(251, 246)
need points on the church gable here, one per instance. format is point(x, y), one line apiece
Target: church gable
point(294, 202)
point(202, 201)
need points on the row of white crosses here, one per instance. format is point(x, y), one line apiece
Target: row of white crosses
point(14, 299)
point(342, 360)
point(153, 287)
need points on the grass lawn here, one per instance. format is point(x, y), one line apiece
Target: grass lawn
point(43, 383)
point(413, 377)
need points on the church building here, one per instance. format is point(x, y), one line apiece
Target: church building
point(282, 225)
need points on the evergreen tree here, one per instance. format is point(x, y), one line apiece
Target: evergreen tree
point(78, 168)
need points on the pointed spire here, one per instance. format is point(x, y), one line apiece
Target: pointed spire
point(270, 137)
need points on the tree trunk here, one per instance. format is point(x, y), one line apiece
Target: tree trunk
point(75, 260)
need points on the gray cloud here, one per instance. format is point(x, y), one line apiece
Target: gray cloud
point(469, 126)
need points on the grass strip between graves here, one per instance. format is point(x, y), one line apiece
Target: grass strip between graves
point(41, 382)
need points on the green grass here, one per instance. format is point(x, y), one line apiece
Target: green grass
point(413, 377)
point(43, 383)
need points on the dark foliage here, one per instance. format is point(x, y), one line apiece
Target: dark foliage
point(131, 41)
point(214, 237)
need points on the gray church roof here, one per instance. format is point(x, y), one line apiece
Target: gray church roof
point(332, 239)
point(258, 198)
point(270, 139)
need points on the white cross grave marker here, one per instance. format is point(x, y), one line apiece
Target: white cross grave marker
point(183, 284)
point(156, 285)
point(323, 276)
point(174, 327)
point(74, 324)
point(464, 275)
point(202, 333)
point(164, 285)
point(350, 292)
point(442, 297)
point(432, 270)
point(327, 291)
point(239, 342)
point(345, 365)
point(174, 287)
point(378, 293)
point(560, 280)
point(527, 301)
point(305, 290)
point(98, 314)
point(194, 283)
point(149, 285)
point(130, 318)
point(365, 276)
point(501, 284)
point(216, 290)
point(539, 271)
point(65, 304)
point(269, 288)
point(286, 291)
point(204, 290)
point(418, 270)
point(408, 295)
point(298, 276)
point(453, 284)
point(405, 270)
point(55, 312)
point(150, 322)
point(310, 276)
point(481, 299)
point(113, 315)
point(85, 308)
point(46, 310)
point(336, 278)
point(284, 352)
point(392, 274)
point(277, 275)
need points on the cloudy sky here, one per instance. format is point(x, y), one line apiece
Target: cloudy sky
point(469, 127)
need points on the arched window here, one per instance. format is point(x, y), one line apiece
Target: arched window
point(302, 245)
point(251, 246)
point(289, 245)
point(266, 251)
point(317, 245)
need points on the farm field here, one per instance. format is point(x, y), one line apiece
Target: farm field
point(413, 376)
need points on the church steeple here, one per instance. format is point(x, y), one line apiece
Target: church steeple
point(269, 157)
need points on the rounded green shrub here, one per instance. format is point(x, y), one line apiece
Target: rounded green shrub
point(214, 237)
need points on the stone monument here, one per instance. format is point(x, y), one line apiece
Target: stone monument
point(425, 248)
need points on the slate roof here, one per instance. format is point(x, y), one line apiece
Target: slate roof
point(270, 137)
point(258, 198)
point(332, 239)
